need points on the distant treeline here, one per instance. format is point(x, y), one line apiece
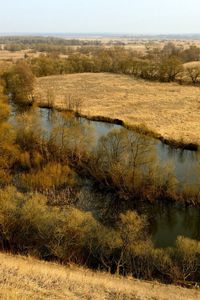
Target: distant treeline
point(164, 65)
point(44, 40)
point(43, 44)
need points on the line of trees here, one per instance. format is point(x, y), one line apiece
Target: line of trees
point(166, 65)
point(161, 66)
point(37, 40)
point(44, 44)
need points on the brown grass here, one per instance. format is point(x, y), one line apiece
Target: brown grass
point(192, 64)
point(14, 56)
point(26, 278)
point(169, 109)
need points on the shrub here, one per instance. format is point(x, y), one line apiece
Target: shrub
point(51, 176)
point(187, 258)
point(20, 81)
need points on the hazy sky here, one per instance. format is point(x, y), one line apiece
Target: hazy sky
point(113, 16)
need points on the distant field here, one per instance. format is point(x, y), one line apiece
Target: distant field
point(9, 55)
point(26, 278)
point(168, 109)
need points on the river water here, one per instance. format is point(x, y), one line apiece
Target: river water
point(167, 221)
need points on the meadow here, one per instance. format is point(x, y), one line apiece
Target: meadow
point(169, 110)
point(16, 55)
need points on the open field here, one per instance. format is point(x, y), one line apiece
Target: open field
point(16, 55)
point(26, 278)
point(168, 109)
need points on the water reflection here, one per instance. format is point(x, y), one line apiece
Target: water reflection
point(169, 221)
point(166, 221)
point(185, 162)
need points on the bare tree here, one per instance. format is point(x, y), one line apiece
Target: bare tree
point(74, 103)
point(193, 73)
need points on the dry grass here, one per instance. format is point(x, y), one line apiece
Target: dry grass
point(14, 56)
point(26, 278)
point(4, 66)
point(169, 109)
point(192, 64)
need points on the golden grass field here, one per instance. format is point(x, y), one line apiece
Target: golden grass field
point(16, 55)
point(27, 278)
point(168, 109)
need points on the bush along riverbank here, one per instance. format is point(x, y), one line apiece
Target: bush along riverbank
point(30, 226)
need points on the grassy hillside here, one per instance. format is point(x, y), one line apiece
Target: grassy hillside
point(169, 109)
point(26, 278)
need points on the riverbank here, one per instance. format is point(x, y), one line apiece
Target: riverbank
point(28, 278)
point(167, 111)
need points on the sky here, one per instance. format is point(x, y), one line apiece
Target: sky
point(100, 16)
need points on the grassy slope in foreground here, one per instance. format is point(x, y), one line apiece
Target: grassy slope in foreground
point(168, 109)
point(26, 278)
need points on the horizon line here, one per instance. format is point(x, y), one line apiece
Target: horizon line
point(98, 33)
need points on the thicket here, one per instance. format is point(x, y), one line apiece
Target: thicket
point(20, 81)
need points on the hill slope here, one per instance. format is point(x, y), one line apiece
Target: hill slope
point(26, 278)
